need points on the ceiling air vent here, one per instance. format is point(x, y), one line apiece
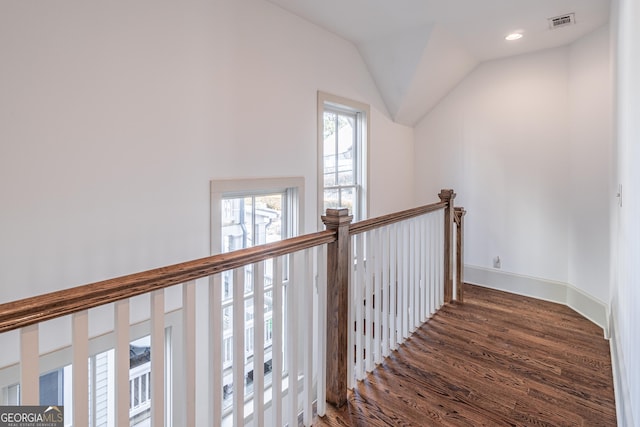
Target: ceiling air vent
point(562, 21)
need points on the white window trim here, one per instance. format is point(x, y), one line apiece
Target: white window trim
point(339, 102)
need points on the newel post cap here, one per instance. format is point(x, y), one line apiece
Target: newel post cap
point(447, 195)
point(336, 218)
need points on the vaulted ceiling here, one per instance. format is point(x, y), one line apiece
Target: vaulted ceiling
point(418, 50)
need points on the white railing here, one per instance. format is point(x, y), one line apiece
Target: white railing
point(271, 387)
point(353, 289)
point(397, 284)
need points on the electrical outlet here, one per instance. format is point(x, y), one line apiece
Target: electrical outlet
point(496, 262)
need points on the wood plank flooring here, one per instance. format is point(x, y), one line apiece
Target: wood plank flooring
point(498, 359)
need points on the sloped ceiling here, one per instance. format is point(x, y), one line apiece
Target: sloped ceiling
point(418, 50)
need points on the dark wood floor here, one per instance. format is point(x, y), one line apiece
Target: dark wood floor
point(496, 360)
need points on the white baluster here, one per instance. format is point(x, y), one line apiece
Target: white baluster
point(80, 367)
point(421, 268)
point(352, 340)
point(258, 343)
point(393, 291)
point(377, 292)
point(368, 299)
point(293, 338)
point(406, 303)
point(216, 338)
point(276, 349)
point(308, 336)
point(321, 335)
point(385, 292)
point(238, 346)
point(413, 282)
point(359, 287)
point(157, 359)
point(122, 393)
point(435, 242)
point(29, 365)
point(189, 349)
point(441, 261)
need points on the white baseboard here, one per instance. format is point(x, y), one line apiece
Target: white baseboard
point(547, 290)
point(621, 388)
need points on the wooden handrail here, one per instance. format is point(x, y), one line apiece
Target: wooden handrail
point(370, 224)
point(28, 311)
point(339, 263)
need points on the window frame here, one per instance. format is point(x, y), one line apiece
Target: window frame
point(224, 188)
point(334, 103)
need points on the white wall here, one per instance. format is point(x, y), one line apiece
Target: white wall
point(115, 116)
point(590, 121)
point(625, 289)
point(500, 138)
point(526, 143)
point(393, 189)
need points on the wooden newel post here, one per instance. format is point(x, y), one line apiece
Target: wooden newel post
point(448, 196)
point(459, 214)
point(337, 305)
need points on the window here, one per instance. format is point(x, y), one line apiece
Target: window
point(246, 213)
point(140, 381)
point(342, 153)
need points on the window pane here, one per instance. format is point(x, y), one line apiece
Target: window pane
point(268, 333)
point(329, 125)
point(143, 387)
point(227, 354)
point(248, 343)
point(268, 273)
point(345, 157)
point(252, 220)
point(227, 283)
point(345, 177)
point(331, 199)
point(330, 168)
point(268, 303)
point(51, 388)
point(248, 279)
point(330, 147)
point(347, 198)
point(227, 320)
point(248, 310)
point(247, 223)
point(136, 392)
point(268, 213)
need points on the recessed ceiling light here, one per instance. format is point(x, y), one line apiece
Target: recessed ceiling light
point(513, 36)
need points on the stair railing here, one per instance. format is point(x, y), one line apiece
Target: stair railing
point(341, 300)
